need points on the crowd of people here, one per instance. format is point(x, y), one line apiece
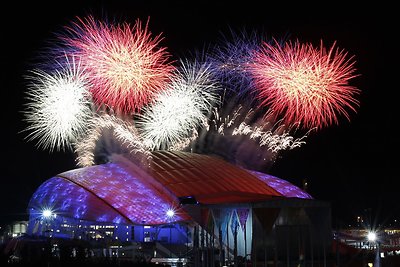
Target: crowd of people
point(35, 251)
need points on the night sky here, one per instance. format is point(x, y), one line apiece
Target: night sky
point(351, 165)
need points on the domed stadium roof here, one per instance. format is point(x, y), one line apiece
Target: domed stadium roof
point(123, 192)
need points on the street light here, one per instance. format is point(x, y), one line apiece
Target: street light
point(47, 213)
point(170, 214)
point(372, 237)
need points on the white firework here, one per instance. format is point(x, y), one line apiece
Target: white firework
point(181, 109)
point(59, 105)
point(111, 129)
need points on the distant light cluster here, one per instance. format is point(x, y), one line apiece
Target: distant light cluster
point(117, 90)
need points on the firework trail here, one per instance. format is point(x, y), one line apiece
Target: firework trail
point(304, 84)
point(59, 104)
point(109, 135)
point(246, 138)
point(124, 63)
point(178, 111)
point(274, 142)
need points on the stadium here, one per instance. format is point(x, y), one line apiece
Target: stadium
point(182, 208)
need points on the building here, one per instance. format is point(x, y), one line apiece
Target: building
point(14, 229)
point(182, 205)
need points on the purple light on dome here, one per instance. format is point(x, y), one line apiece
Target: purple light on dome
point(136, 200)
point(283, 187)
point(70, 200)
point(105, 193)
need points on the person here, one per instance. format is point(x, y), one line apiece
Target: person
point(73, 252)
point(301, 258)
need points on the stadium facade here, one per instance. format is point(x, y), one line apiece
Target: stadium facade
point(184, 205)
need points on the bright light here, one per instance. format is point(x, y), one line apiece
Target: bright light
point(47, 213)
point(371, 236)
point(170, 213)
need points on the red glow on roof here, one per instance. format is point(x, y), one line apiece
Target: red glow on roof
point(209, 179)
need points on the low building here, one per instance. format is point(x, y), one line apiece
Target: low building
point(13, 229)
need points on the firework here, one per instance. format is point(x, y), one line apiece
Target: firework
point(181, 109)
point(58, 106)
point(230, 58)
point(245, 137)
point(274, 142)
point(260, 130)
point(109, 135)
point(241, 101)
point(124, 63)
point(305, 84)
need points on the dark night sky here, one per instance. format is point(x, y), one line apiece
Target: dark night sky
point(351, 165)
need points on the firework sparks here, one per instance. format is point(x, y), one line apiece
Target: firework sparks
point(274, 142)
point(305, 84)
point(209, 106)
point(275, 138)
point(230, 59)
point(125, 65)
point(181, 109)
point(105, 130)
point(59, 106)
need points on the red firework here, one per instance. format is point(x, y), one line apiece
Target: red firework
point(124, 63)
point(303, 84)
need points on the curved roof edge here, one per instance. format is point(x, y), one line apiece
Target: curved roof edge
point(122, 191)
